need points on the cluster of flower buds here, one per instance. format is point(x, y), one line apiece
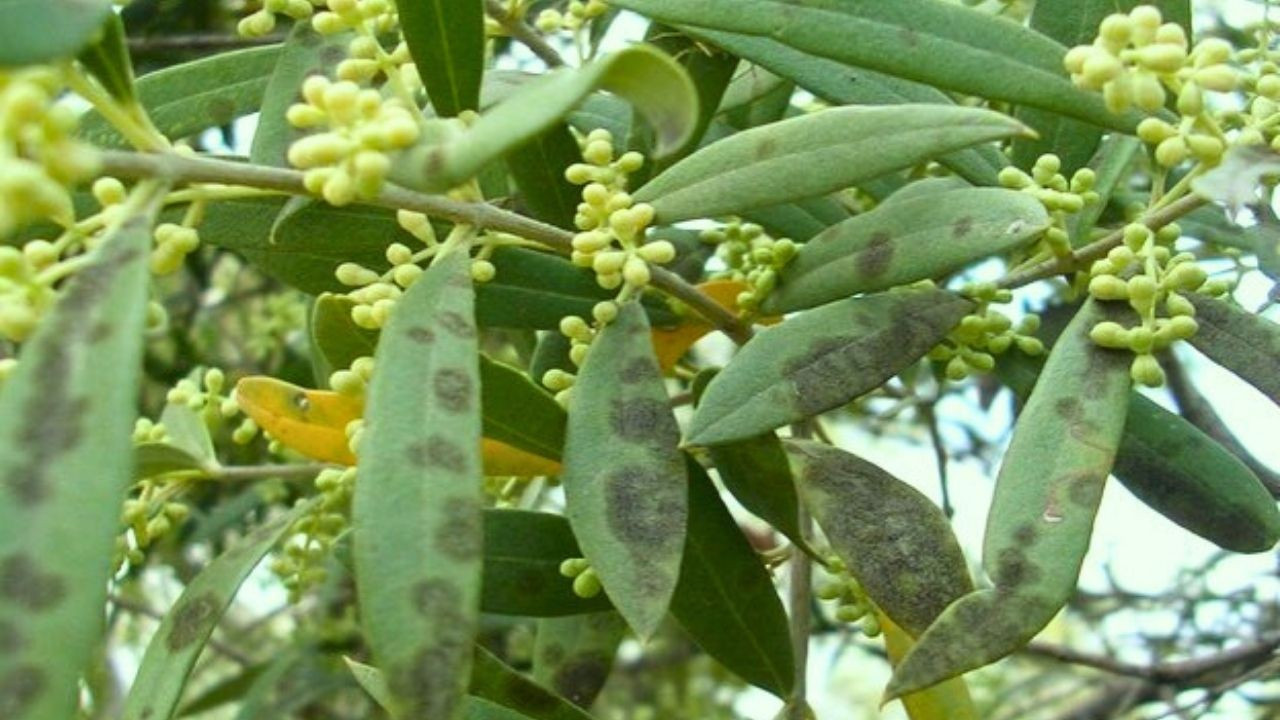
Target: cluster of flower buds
point(1060, 197)
point(580, 334)
point(575, 16)
point(972, 345)
point(1258, 123)
point(586, 583)
point(851, 602)
point(150, 516)
point(206, 397)
point(312, 537)
point(1137, 57)
point(1145, 272)
point(368, 59)
point(612, 227)
point(25, 296)
point(350, 159)
point(751, 256)
point(354, 380)
point(376, 16)
point(263, 21)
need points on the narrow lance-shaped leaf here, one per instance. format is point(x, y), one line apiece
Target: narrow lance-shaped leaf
point(522, 555)
point(624, 478)
point(185, 629)
point(37, 31)
point(725, 599)
point(1179, 471)
point(905, 241)
point(498, 683)
point(758, 475)
point(815, 154)
point(446, 41)
point(107, 58)
point(537, 168)
point(418, 532)
point(1240, 341)
point(306, 52)
point(65, 461)
point(574, 655)
point(1041, 517)
point(929, 41)
point(822, 359)
point(336, 340)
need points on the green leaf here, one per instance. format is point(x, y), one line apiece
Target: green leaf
point(758, 475)
point(1179, 471)
point(933, 42)
point(1041, 518)
point(894, 540)
point(905, 241)
point(370, 679)
point(107, 59)
point(157, 458)
point(522, 555)
point(725, 598)
point(822, 359)
point(814, 155)
point(653, 82)
point(446, 41)
point(840, 84)
point(1240, 341)
point(624, 479)
point(574, 655)
point(66, 419)
point(538, 171)
point(304, 53)
point(38, 31)
point(494, 681)
point(185, 99)
point(1111, 165)
point(419, 545)
point(335, 337)
point(185, 629)
point(519, 413)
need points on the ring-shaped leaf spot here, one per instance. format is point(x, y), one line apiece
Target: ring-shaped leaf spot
point(1179, 471)
point(822, 359)
point(523, 550)
point(446, 41)
point(725, 599)
point(418, 530)
point(905, 241)
point(1240, 341)
point(659, 88)
point(1041, 518)
point(894, 540)
point(66, 416)
point(38, 31)
point(815, 154)
point(185, 629)
point(574, 655)
point(624, 478)
point(941, 44)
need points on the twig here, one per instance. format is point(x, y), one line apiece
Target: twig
point(801, 597)
point(520, 30)
point(940, 457)
point(258, 472)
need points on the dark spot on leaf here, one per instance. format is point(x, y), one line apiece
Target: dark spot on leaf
point(962, 227)
point(638, 369)
point(11, 641)
point(551, 654)
point(766, 148)
point(1025, 534)
point(421, 335)
point(876, 257)
point(453, 389)
point(333, 54)
point(1014, 569)
point(429, 683)
point(1083, 489)
point(19, 688)
point(192, 619)
point(646, 421)
point(22, 582)
point(639, 509)
point(910, 37)
point(101, 332)
point(458, 324)
point(460, 537)
point(434, 596)
point(580, 679)
point(1069, 409)
point(438, 451)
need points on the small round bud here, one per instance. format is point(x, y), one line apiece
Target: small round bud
point(1154, 131)
point(1145, 370)
point(482, 271)
point(1108, 287)
point(1221, 78)
point(598, 152)
point(587, 585)
point(605, 312)
point(636, 272)
point(1110, 335)
point(355, 275)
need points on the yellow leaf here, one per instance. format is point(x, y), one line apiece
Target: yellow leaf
point(670, 344)
point(314, 423)
point(947, 700)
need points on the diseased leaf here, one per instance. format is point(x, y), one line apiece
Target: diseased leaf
point(38, 31)
point(822, 359)
point(176, 645)
point(496, 682)
point(948, 700)
point(814, 154)
point(419, 545)
point(1240, 341)
point(1041, 518)
point(894, 540)
point(624, 479)
point(929, 41)
point(905, 241)
point(725, 598)
point(66, 419)
point(446, 41)
point(574, 655)
point(107, 59)
point(305, 52)
point(522, 555)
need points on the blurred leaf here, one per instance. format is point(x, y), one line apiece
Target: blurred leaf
point(418, 546)
point(446, 41)
point(671, 344)
point(905, 241)
point(66, 420)
point(33, 32)
point(1211, 225)
point(574, 655)
point(312, 422)
point(725, 599)
point(186, 430)
point(941, 44)
point(822, 359)
point(304, 53)
point(624, 479)
point(107, 59)
point(224, 691)
point(1234, 182)
point(1041, 517)
point(1240, 341)
point(157, 458)
point(522, 556)
point(185, 629)
point(799, 221)
point(814, 154)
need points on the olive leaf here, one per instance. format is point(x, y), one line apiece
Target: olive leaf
point(624, 479)
point(574, 655)
point(519, 413)
point(522, 555)
point(38, 31)
point(906, 241)
point(757, 473)
point(419, 545)
point(821, 359)
point(336, 340)
point(446, 40)
point(1041, 518)
point(815, 154)
point(305, 52)
point(948, 700)
point(107, 59)
point(494, 681)
point(66, 458)
point(1240, 341)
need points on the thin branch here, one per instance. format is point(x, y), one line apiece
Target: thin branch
point(259, 472)
point(179, 169)
point(940, 457)
point(800, 584)
point(522, 31)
